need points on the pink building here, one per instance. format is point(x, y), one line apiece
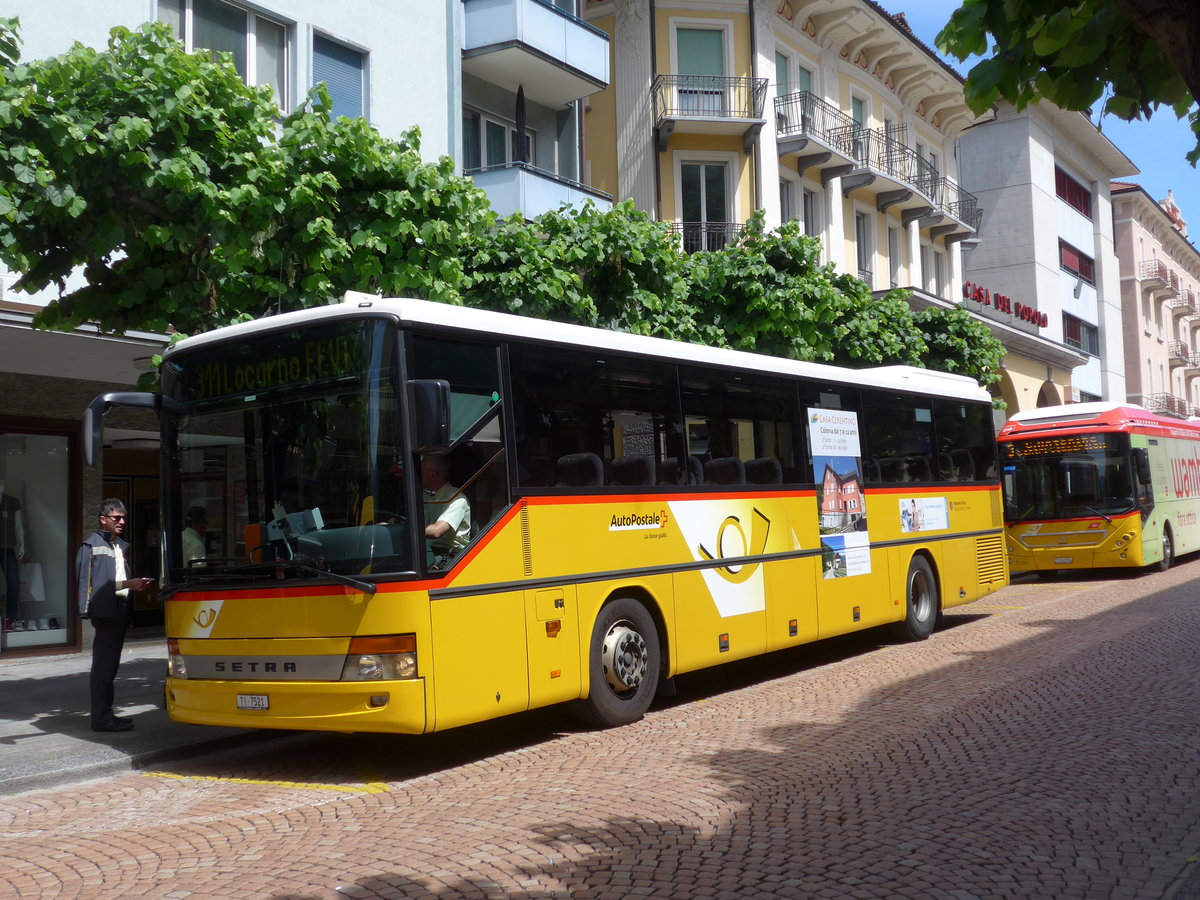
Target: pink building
point(841, 499)
point(1160, 301)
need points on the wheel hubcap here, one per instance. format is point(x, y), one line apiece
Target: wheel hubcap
point(623, 658)
point(922, 597)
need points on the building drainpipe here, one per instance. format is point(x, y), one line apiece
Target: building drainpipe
point(757, 148)
point(654, 124)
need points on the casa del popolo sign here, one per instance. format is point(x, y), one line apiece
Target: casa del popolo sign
point(1005, 304)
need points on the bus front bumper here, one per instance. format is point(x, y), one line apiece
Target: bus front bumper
point(380, 706)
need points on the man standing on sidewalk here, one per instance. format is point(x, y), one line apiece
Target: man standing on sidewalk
point(104, 587)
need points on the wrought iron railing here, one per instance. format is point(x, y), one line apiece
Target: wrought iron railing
point(706, 235)
point(1157, 270)
point(1165, 403)
point(1184, 304)
point(804, 114)
point(708, 96)
point(1178, 351)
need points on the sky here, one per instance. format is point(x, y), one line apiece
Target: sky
point(1157, 147)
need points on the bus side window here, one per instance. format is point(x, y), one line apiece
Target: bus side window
point(603, 420)
point(966, 440)
point(742, 430)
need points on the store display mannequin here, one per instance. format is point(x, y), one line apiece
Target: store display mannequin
point(12, 552)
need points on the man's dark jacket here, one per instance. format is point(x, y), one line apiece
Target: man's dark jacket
point(96, 576)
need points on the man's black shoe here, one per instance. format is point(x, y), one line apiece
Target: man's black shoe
point(113, 724)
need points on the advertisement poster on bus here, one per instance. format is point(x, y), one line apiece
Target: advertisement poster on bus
point(923, 514)
point(837, 471)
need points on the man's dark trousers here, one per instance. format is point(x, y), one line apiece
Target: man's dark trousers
point(106, 658)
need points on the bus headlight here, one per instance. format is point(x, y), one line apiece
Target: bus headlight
point(381, 658)
point(176, 667)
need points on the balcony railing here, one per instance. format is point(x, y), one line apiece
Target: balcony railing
point(1157, 277)
point(706, 235)
point(1184, 304)
point(804, 114)
point(1165, 403)
point(802, 118)
point(519, 186)
point(1178, 353)
point(554, 55)
point(708, 96)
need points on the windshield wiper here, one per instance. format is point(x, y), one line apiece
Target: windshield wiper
point(299, 563)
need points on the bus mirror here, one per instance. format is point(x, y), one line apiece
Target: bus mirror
point(430, 399)
point(1141, 459)
point(93, 418)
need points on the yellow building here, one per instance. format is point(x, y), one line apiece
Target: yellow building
point(828, 112)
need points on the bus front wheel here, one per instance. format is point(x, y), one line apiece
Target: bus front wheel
point(921, 600)
point(623, 665)
point(1168, 551)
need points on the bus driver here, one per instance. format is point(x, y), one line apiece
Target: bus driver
point(447, 512)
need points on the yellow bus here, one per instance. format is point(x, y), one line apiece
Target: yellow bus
point(636, 508)
point(1098, 485)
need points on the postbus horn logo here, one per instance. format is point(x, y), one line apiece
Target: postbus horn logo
point(760, 527)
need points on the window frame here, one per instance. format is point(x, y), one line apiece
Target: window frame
point(1084, 267)
point(1073, 192)
point(186, 12)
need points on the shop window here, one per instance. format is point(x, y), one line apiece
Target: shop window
point(37, 540)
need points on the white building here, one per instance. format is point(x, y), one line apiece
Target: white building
point(1045, 258)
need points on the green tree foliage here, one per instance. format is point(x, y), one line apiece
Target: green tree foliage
point(187, 204)
point(958, 342)
point(610, 269)
point(1142, 53)
point(768, 293)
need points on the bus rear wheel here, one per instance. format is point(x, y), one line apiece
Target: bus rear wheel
point(1168, 550)
point(623, 665)
point(921, 600)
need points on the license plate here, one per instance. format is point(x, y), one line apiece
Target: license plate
point(253, 701)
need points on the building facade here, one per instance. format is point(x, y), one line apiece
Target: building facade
point(827, 112)
point(1160, 301)
point(1045, 259)
point(499, 85)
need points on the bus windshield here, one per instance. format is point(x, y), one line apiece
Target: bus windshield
point(1070, 476)
point(287, 450)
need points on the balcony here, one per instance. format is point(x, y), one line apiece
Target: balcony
point(1167, 404)
point(708, 104)
point(1183, 305)
point(706, 235)
point(1192, 369)
point(1158, 280)
point(1178, 354)
point(520, 187)
point(820, 134)
point(806, 125)
point(555, 56)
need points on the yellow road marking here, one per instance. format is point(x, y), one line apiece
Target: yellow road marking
point(374, 787)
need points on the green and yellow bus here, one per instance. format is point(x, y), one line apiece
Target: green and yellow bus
point(1099, 485)
point(636, 508)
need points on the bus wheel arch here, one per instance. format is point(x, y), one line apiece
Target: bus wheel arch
point(624, 660)
point(922, 600)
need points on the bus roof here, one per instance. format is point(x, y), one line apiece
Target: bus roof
point(1081, 417)
point(409, 311)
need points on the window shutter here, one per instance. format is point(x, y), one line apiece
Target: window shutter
point(341, 68)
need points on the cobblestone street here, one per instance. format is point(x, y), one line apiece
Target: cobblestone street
point(1043, 744)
